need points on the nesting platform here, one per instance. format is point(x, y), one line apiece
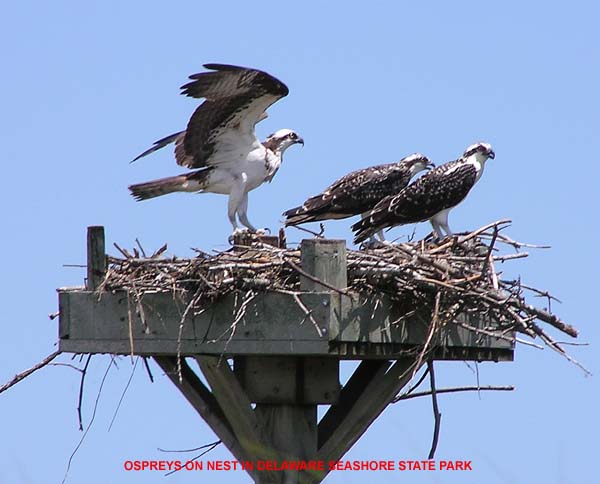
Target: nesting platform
point(286, 349)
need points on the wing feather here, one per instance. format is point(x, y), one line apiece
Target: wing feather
point(442, 188)
point(353, 194)
point(221, 129)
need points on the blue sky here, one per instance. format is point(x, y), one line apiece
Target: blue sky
point(86, 86)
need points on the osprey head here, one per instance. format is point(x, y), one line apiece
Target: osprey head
point(416, 163)
point(482, 151)
point(281, 140)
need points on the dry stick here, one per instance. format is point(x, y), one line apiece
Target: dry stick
point(540, 292)
point(552, 320)
point(240, 314)
point(17, 378)
point(297, 268)
point(145, 359)
point(126, 254)
point(486, 262)
point(308, 314)
point(432, 329)
point(211, 447)
point(499, 336)
point(472, 235)
point(304, 229)
point(436, 413)
point(80, 397)
point(411, 389)
point(124, 392)
point(180, 333)
point(556, 347)
point(141, 248)
point(502, 258)
point(91, 420)
point(130, 324)
point(507, 388)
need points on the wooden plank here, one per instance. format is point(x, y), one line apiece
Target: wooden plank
point(292, 430)
point(372, 401)
point(204, 403)
point(96, 257)
point(93, 323)
point(290, 380)
point(365, 373)
point(101, 324)
point(234, 403)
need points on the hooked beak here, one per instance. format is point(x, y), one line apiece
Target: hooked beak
point(491, 154)
point(300, 141)
point(430, 165)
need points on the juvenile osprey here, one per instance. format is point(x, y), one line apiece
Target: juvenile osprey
point(358, 192)
point(220, 140)
point(431, 197)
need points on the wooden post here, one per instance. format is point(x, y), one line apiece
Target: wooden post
point(96, 257)
point(292, 428)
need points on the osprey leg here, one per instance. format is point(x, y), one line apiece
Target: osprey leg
point(242, 212)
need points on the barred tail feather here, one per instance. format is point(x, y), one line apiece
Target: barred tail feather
point(191, 182)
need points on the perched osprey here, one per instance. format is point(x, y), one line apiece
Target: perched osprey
point(431, 197)
point(358, 192)
point(220, 141)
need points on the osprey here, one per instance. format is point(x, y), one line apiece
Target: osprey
point(358, 192)
point(220, 141)
point(431, 197)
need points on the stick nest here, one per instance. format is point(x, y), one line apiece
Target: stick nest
point(458, 275)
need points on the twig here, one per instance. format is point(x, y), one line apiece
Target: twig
point(318, 235)
point(20, 376)
point(316, 279)
point(124, 392)
point(508, 388)
point(145, 360)
point(91, 421)
point(210, 447)
point(436, 413)
point(80, 397)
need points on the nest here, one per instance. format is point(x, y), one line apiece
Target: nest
point(458, 275)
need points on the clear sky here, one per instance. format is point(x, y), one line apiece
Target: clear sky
point(86, 86)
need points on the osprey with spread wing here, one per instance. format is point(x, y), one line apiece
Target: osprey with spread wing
point(359, 191)
point(220, 142)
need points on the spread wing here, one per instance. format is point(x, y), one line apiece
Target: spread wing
point(222, 127)
point(443, 187)
point(353, 194)
point(221, 130)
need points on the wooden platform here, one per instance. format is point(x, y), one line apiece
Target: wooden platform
point(284, 361)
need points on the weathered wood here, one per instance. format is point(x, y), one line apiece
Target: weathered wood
point(366, 408)
point(235, 405)
point(273, 324)
point(90, 323)
point(96, 257)
point(290, 380)
point(354, 387)
point(326, 260)
point(204, 403)
point(292, 430)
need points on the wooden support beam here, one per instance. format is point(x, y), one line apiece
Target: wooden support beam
point(354, 387)
point(204, 403)
point(96, 257)
point(374, 398)
point(233, 401)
